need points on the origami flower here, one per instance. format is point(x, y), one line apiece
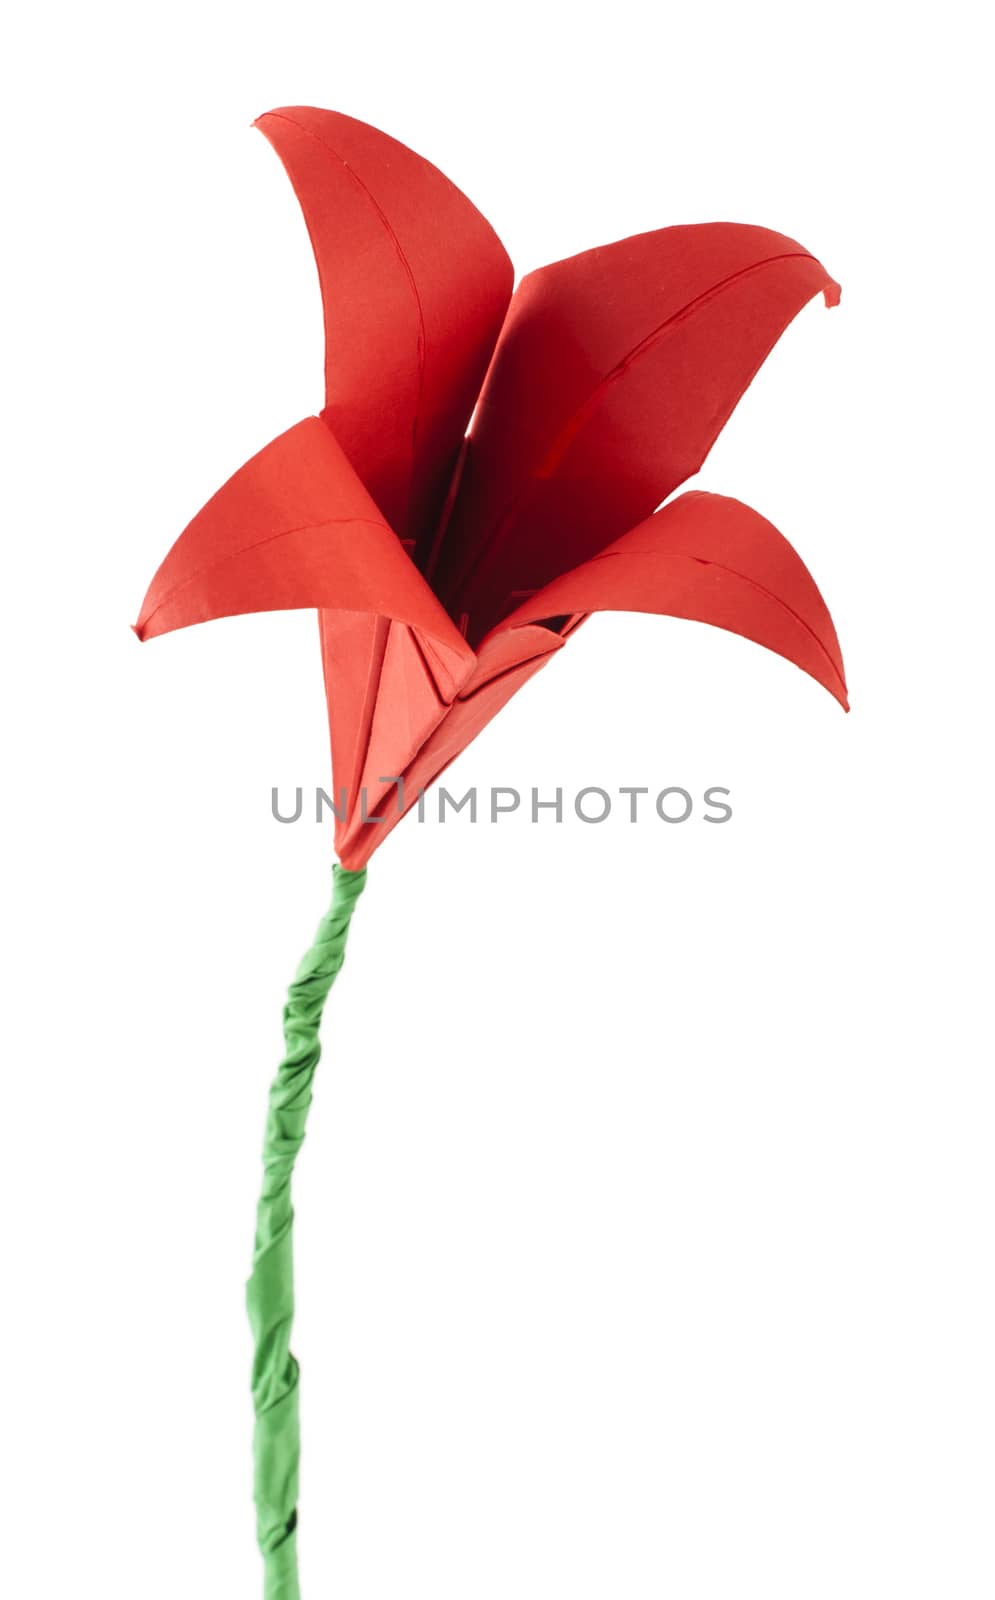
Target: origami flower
point(446, 569)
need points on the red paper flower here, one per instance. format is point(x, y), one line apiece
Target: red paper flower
point(447, 570)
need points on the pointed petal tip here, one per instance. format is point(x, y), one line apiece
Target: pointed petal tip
point(839, 690)
point(265, 117)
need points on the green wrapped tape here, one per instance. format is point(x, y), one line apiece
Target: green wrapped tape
point(270, 1290)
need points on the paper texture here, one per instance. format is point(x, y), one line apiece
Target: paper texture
point(447, 568)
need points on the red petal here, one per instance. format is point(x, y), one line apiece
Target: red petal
point(293, 528)
point(709, 559)
point(414, 283)
point(296, 528)
point(615, 372)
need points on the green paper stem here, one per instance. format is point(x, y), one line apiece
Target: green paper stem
point(270, 1289)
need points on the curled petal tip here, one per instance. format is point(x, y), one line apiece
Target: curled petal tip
point(832, 293)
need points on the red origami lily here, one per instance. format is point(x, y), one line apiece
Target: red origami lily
point(445, 569)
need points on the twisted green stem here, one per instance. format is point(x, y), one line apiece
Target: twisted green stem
point(270, 1290)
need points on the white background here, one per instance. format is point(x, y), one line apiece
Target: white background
point(645, 1218)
